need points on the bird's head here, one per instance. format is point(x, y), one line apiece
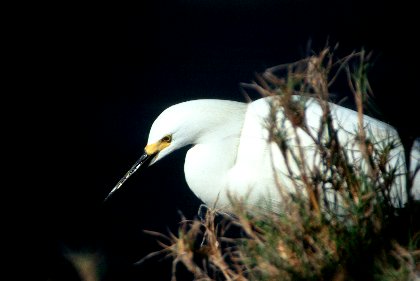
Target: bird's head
point(169, 132)
point(191, 122)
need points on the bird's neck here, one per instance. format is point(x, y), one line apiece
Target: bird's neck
point(218, 130)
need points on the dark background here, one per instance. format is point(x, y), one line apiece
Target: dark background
point(97, 77)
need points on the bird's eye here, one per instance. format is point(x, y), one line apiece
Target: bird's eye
point(167, 138)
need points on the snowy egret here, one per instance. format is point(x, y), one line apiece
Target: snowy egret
point(232, 151)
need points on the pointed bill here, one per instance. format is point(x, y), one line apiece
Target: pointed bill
point(133, 169)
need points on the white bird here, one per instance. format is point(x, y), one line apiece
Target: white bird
point(232, 151)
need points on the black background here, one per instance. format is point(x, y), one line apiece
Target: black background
point(95, 78)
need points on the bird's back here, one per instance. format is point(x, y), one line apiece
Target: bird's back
point(260, 171)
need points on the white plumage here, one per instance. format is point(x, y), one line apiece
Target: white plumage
point(232, 150)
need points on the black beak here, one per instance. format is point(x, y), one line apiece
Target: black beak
point(143, 159)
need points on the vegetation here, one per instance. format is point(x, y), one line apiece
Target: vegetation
point(309, 238)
